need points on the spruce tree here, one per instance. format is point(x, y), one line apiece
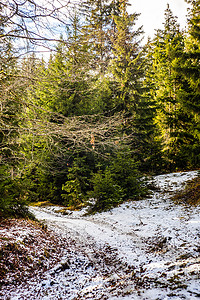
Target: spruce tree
point(173, 121)
point(190, 71)
point(63, 85)
point(128, 68)
point(99, 28)
point(9, 103)
point(148, 133)
point(192, 56)
point(12, 198)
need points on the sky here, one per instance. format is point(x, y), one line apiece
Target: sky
point(152, 13)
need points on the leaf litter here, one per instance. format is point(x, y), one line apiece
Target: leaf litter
point(148, 249)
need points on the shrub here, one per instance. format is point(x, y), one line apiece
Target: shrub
point(106, 193)
point(76, 184)
point(13, 202)
point(120, 181)
point(126, 174)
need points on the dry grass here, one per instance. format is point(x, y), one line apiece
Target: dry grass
point(191, 194)
point(42, 204)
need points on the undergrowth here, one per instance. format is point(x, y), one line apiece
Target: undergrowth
point(191, 194)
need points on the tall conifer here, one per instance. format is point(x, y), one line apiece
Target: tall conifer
point(171, 94)
point(128, 68)
point(168, 47)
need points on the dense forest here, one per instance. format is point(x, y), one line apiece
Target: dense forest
point(99, 114)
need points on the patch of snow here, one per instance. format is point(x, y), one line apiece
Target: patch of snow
point(151, 250)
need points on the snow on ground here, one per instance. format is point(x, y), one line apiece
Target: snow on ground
point(148, 249)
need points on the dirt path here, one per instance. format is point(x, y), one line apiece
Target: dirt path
point(147, 249)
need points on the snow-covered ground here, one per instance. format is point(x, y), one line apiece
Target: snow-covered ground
point(148, 249)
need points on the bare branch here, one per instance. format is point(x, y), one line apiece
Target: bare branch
point(33, 20)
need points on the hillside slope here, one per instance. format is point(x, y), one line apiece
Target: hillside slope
point(147, 249)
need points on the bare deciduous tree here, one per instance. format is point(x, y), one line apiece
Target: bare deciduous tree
point(35, 21)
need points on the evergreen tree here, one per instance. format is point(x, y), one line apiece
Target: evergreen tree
point(97, 31)
point(63, 86)
point(174, 122)
point(12, 200)
point(189, 70)
point(148, 134)
point(9, 105)
point(192, 57)
point(128, 68)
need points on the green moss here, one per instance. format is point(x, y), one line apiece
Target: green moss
point(41, 203)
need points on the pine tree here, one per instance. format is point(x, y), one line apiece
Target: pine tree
point(192, 56)
point(148, 134)
point(63, 85)
point(126, 65)
point(168, 47)
point(190, 71)
point(98, 30)
point(171, 92)
point(12, 198)
point(9, 104)
point(128, 68)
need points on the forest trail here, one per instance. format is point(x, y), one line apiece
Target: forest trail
point(147, 249)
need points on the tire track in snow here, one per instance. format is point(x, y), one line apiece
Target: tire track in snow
point(128, 245)
point(128, 250)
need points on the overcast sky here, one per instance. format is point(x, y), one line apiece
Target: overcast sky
point(152, 13)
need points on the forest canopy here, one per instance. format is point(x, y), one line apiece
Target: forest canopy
point(101, 111)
